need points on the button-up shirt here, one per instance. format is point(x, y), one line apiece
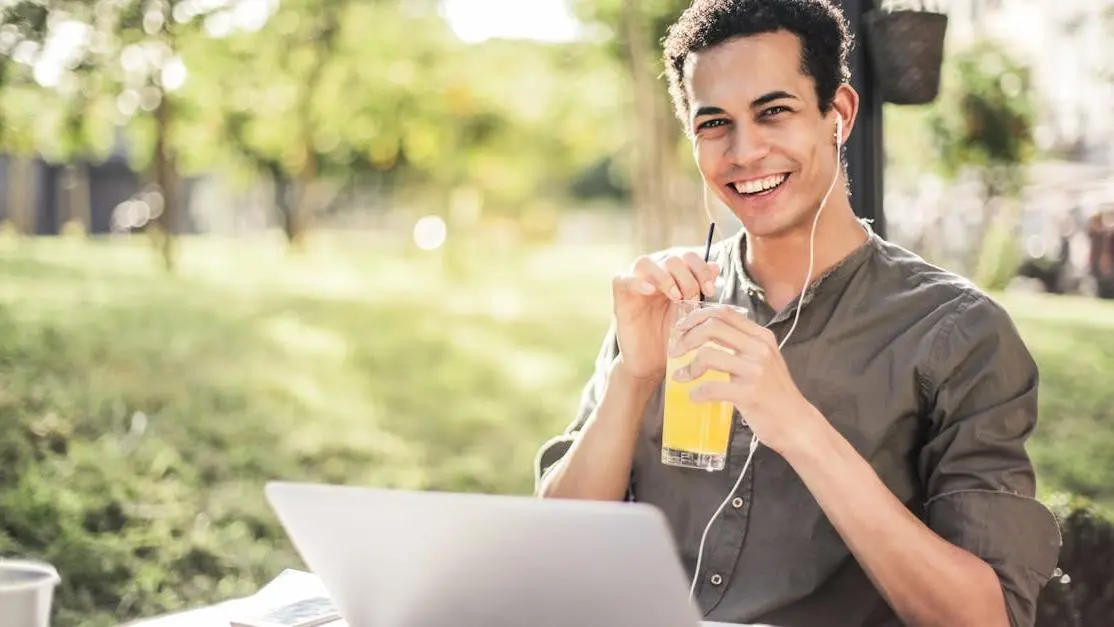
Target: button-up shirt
point(926, 376)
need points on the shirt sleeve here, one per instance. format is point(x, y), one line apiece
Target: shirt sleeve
point(553, 450)
point(980, 482)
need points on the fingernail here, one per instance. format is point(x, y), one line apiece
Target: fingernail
point(681, 374)
point(646, 288)
point(683, 323)
point(675, 293)
point(710, 288)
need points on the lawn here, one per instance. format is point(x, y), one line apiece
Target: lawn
point(142, 412)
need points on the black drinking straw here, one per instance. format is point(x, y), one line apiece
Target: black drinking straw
point(708, 249)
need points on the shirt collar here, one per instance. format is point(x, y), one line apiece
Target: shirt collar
point(835, 278)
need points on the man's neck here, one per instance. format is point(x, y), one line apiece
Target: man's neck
point(780, 264)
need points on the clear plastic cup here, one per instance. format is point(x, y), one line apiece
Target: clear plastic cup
point(694, 435)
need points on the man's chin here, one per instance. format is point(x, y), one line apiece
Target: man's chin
point(780, 222)
point(767, 226)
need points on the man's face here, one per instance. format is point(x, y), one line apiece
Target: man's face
point(760, 140)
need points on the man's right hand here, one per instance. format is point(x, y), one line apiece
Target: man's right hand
point(643, 313)
point(598, 463)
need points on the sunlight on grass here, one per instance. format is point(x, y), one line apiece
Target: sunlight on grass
point(297, 337)
point(530, 370)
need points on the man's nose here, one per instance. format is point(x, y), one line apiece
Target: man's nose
point(748, 146)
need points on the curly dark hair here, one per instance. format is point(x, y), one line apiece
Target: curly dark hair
point(821, 27)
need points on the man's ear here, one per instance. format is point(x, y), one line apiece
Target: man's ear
point(846, 105)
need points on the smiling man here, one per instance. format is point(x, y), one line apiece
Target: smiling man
point(892, 399)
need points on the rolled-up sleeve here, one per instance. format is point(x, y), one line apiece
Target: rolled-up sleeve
point(979, 478)
point(554, 449)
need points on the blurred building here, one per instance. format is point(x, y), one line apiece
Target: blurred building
point(39, 197)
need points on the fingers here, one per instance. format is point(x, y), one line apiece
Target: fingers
point(717, 391)
point(714, 359)
point(716, 331)
point(731, 315)
point(658, 276)
point(705, 273)
point(726, 326)
point(684, 277)
point(678, 277)
point(633, 283)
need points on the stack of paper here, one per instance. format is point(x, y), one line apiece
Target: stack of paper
point(295, 590)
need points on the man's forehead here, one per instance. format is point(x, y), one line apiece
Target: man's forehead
point(747, 66)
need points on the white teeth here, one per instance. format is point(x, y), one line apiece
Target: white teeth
point(760, 185)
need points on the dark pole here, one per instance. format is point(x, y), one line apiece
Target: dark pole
point(865, 156)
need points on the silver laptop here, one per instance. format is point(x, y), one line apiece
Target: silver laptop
point(393, 558)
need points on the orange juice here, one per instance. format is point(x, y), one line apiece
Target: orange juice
point(694, 435)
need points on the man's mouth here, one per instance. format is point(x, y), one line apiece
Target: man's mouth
point(759, 187)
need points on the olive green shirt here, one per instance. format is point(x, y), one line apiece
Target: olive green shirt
point(927, 377)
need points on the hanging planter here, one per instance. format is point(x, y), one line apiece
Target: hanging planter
point(906, 43)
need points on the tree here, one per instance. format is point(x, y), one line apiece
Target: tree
point(412, 109)
point(22, 25)
point(122, 73)
point(662, 190)
point(290, 55)
point(311, 101)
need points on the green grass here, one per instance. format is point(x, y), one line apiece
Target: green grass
point(141, 413)
point(1072, 340)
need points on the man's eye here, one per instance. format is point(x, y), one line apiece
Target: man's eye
point(711, 124)
point(772, 111)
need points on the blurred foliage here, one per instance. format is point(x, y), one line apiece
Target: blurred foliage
point(1083, 593)
point(317, 95)
point(139, 434)
point(984, 116)
point(999, 254)
point(982, 120)
point(981, 124)
point(81, 72)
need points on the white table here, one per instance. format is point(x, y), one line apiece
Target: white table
point(215, 617)
point(289, 586)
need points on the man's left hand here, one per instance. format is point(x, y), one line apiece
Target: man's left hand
point(760, 385)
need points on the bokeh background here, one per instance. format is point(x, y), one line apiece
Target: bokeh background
point(370, 242)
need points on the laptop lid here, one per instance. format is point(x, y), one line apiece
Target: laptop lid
point(395, 558)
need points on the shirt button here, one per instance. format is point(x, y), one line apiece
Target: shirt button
point(737, 502)
point(716, 579)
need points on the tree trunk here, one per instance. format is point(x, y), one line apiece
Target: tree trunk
point(301, 211)
point(78, 207)
point(298, 217)
point(21, 196)
point(282, 192)
point(166, 181)
point(646, 186)
point(660, 194)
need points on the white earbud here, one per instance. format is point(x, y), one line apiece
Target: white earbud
point(839, 130)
